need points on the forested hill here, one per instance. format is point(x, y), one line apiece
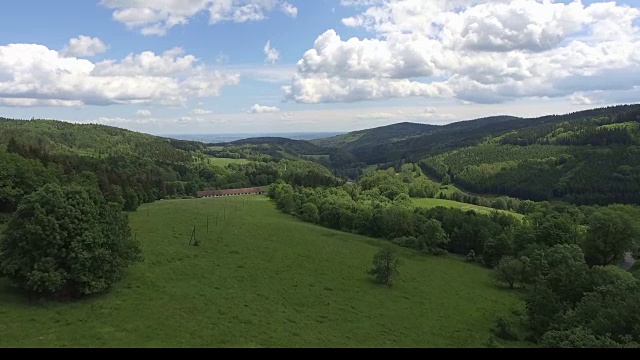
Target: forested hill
point(411, 142)
point(590, 159)
point(384, 134)
point(51, 136)
point(300, 147)
point(127, 167)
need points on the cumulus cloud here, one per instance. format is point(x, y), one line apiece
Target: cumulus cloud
point(259, 109)
point(472, 50)
point(272, 54)
point(201, 112)
point(84, 46)
point(157, 17)
point(33, 75)
point(143, 113)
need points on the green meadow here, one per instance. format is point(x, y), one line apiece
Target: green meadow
point(260, 278)
point(222, 162)
point(431, 203)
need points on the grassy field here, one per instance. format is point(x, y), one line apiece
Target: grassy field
point(430, 203)
point(263, 279)
point(222, 162)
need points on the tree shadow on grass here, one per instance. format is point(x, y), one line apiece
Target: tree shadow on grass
point(10, 295)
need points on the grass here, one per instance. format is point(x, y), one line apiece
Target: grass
point(222, 162)
point(263, 279)
point(431, 203)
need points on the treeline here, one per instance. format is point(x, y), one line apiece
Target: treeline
point(386, 211)
point(580, 175)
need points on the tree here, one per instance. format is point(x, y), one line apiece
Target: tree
point(446, 179)
point(66, 242)
point(310, 213)
point(496, 249)
point(131, 200)
point(385, 266)
point(432, 235)
point(577, 337)
point(610, 235)
point(509, 270)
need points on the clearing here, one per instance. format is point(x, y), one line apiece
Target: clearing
point(431, 203)
point(263, 279)
point(222, 162)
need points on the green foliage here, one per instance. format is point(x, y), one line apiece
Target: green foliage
point(504, 330)
point(310, 213)
point(509, 270)
point(610, 235)
point(577, 337)
point(385, 266)
point(66, 243)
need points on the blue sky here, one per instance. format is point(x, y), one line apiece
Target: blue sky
point(396, 68)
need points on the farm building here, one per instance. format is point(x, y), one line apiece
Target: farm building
point(230, 192)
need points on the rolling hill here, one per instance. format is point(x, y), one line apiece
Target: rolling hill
point(263, 279)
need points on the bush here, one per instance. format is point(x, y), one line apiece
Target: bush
point(438, 252)
point(471, 256)
point(67, 242)
point(503, 329)
point(408, 242)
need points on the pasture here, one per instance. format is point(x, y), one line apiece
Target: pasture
point(431, 203)
point(222, 162)
point(263, 279)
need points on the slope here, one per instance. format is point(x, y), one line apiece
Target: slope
point(263, 279)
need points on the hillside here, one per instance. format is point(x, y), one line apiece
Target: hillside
point(61, 137)
point(386, 144)
point(584, 160)
point(263, 279)
point(370, 137)
point(129, 168)
point(300, 147)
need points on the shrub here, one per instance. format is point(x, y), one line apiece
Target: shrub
point(503, 329)
point(66, 242)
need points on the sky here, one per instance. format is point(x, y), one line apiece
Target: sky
point(260, 66)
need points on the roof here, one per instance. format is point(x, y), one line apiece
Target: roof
point(253, 190)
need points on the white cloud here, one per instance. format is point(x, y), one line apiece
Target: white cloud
point(84, 46)
point(157, 17)
point(473, 50)
point(201, 112)
point(408, 114)
point(259, 109)
point(289, 9)
point(143, 113)
point(322, 89)
point(580, 99)
point(33, 75)
point(272, 54)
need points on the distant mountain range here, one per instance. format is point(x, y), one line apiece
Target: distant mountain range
point(227, 138)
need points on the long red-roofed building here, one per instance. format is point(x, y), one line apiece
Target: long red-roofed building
point(230, 192)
